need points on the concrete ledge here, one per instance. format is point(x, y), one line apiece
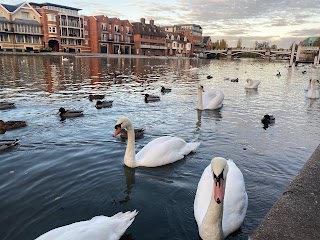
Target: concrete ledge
point(296, 214)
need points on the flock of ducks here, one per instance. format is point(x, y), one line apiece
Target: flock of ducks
point(221, 200)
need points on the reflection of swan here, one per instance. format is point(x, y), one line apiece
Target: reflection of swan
point(130, 180)
point(252, 84)
point(210, 99)
point(313, 93)
point(214, 114)
point(221, 200)
point(251, 91)
point(98, 228)
point(308, 85)
point(158, 152)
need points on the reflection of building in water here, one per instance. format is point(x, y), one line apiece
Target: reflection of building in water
point(64, 29)
point(20, 28)
point(110, 35)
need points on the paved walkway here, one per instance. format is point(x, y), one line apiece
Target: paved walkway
point(296, 214)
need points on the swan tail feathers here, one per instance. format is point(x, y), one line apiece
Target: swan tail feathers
point(127, 219)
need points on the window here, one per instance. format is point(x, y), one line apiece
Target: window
point(86, 42)
point(85, 23)
point(52, 29)
point(4, 37)
point(25, 15)
point(85, 32)
point(51, 17)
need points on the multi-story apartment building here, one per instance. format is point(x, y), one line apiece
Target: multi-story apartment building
point(177, 44)
point(194, 34)
point(20, 28)
point(110, 35)
point(64, 29)
point(149, 39)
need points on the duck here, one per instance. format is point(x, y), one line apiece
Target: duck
point(304, 72)
point(151, 98)
point(97, 228)
point(313, 93)
point(4, 144)
point(221, 200)
point(160, 151)
point(138, 133)
point(96, 96)
point(164, 90)
point(103, 104)
point(253, 84)
point(308, 85)
point(210, 99)
point(278, 74)
point(267, 119)
point(12, 124)
point(70, 113)
point(235, 80)
point(6, 105)
point(209, 77)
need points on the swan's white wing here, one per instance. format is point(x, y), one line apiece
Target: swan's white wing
point(253, 84)
point(212, 99)
point(235, 201)
point(98, 228)
point(203, 195)
point(164, 150)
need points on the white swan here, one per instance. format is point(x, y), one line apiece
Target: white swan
point(98, 228)
point(210, 99)
point(252, 83)
point(158, 152)
point(313, 93)
point(308, 85)
point(221, 200)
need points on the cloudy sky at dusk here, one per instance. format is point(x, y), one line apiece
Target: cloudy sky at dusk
point(279, 22)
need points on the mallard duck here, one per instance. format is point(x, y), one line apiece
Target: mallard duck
point(12, 124)
point(103, 104)
point(96, 96)
point(137, 133)
point(164, 90)
point(235, 80)
point(4, 144)
point(209, 77)
point(151, 98)
point(278, 74)
point(6, 105)
point(70, 113)
point(267, 119)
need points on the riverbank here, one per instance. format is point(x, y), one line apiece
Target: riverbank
point(100, 55)
point(296, 213)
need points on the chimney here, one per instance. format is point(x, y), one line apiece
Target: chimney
point(151, 22)
point(142, 20)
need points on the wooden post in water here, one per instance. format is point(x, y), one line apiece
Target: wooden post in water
point(292, 54)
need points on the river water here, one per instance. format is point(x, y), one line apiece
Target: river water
point(68, 171)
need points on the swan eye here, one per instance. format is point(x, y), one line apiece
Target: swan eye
point(117, 126)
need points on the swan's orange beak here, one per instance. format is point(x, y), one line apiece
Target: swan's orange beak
point(117, 131)
point(218, 190)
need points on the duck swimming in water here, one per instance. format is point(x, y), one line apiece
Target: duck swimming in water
point(164, 90)
point(103, 104)
point(96, 96)
point(267, 119)
point(151, 98)
point(12, 124)
point(138, 133)
point(6, 105)
point(4, 144)
point(70, 113)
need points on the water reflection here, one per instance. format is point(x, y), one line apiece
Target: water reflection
point(208, 114)
point(251, 92)
point(130, 180)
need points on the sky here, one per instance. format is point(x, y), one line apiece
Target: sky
point(279, 22)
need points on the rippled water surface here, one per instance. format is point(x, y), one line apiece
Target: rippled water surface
point(72, 170)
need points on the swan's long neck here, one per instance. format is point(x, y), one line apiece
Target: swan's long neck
point(313, 87)
point(129, 156)
point(211, 226)
point(199, 98)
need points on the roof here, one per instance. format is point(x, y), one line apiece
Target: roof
point(11, 8)
point(53, 5)
point(147, 29)
point(206, 39)
point(27, 22)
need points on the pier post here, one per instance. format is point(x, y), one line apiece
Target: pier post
point(292, 54)
point(229, 54)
